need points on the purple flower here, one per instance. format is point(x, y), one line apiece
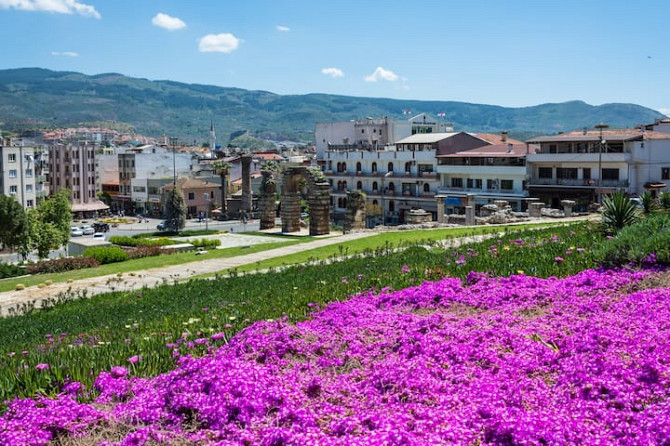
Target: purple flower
point(135, 359)
point(217, 336)
point(42, 366)
point(404, 269)
point(119, 372)
point(559, 259)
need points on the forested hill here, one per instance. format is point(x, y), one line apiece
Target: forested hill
point(37, 98)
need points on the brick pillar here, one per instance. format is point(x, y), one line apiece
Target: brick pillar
point(246, 203)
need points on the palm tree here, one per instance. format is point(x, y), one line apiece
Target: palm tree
point(222, 168)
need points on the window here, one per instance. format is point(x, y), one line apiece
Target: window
point(545, 172)
point(191, 195)
point(29, 173)
point(586, 172)
point(375, 186)
point(506, 184)
point(457, 182)
point(470, 183)
point(11, 158)
point(12, 173)
point(492, 184)
point(13, 190)
point(390, 167)
point(29, 187)
point(359, 185)
point(665, 173)
point(358, 167)
point(29, 203)
point(426, 187)
point(374, 167)
point(611, 174)
point(566, 173)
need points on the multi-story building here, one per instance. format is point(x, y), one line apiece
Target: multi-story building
point(22, 176)
point(362, 155)
point(480, 169)
point(72, 166)
point(586, 165)
point(133, 176)
point(199, 196)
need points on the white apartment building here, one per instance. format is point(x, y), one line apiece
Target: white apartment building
point(480, 169)
point(21, 172)
point(586, 165)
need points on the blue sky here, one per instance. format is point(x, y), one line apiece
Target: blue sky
point(510, 53)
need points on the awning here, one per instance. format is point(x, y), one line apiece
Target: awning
point(89, 207)
point(653, 185)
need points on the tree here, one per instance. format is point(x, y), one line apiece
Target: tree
point(222, 168)
point(49, 224)
point(13, 223)
point(175, 210)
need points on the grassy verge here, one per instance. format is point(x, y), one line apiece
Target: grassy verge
point(140, 264)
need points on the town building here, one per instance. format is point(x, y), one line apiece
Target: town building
point(478, 169)
point(22, 173)
point(586, 165)
point(199, 196)
point(72, 167)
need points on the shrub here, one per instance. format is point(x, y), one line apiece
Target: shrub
point(648, 203)
point(145, 251)
point(196, 232)
point(19, 287)
point(9, 270)
point(106, 254)
point(618, 211)
point(132, 241)
point(61, 265)
point(665, 200)
point(205, 243)
point(645, 242)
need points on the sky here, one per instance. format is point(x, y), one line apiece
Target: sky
point(513, 53)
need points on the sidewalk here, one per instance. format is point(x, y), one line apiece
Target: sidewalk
point(158, 276)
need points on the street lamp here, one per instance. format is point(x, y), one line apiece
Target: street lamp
point(388, 174)
point(601, 143)
point(173, 143)
point(207, 200)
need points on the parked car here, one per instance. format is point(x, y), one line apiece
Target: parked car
point(101, 227)
point(99, 235)
point(87, 230)
point(161, 226)
point(75, 232)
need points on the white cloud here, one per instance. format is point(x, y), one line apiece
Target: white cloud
point(383, 74)
point(65, 53)
point(333, 72)
point(218, 43)
point(170, 23)
point(283, 28)
point(665, 111)
point(57, 6)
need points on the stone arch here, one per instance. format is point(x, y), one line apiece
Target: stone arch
point(317, 191)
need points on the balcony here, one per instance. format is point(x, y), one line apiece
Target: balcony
point(579, 158)
point(573, 183)
point(489, 171)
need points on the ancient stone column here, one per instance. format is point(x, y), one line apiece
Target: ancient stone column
point(266, 202)
point(535, 210)
point(247, 197)
point(469, 216)
point(441, 218)
point(354, 219)
point(567, 207)
point(319, 208)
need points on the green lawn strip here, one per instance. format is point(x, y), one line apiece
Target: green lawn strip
point(390, 240)
point(134, 265)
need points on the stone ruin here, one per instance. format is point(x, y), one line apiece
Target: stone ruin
point(266, 202)
point(354, 217)
point(500, 212)
point(317, 190)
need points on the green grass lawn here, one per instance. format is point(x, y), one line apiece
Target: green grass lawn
point(141, 264)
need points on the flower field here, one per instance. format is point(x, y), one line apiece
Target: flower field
point(427, 346)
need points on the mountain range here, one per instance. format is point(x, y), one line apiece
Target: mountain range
point(36, 98)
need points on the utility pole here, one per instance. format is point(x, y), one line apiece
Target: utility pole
point(601, 143)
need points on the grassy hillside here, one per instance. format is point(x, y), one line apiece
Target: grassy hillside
point(36, 98)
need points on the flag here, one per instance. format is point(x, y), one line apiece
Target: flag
point(441, 114)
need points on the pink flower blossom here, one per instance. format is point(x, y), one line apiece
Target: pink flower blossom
point(135, 359)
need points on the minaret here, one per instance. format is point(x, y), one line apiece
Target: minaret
point(212, 138)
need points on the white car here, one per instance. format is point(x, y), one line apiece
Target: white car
point(99, 235)
point(75, 232)
point(87, 230)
